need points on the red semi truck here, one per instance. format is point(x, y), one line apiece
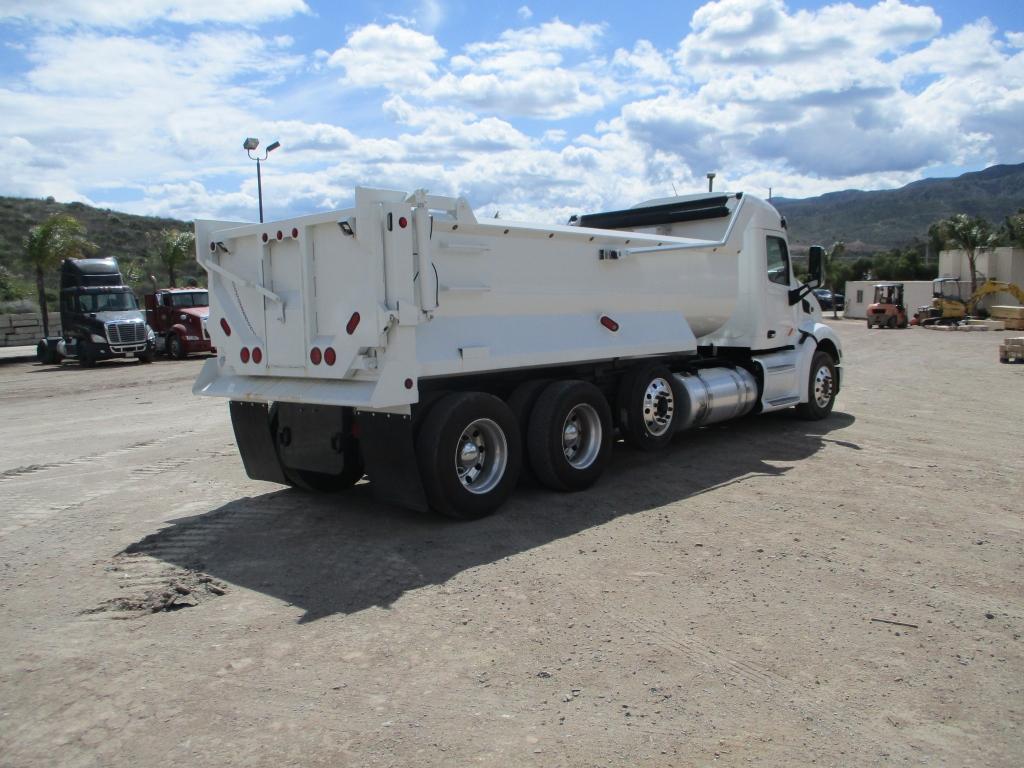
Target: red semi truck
point(178, 318)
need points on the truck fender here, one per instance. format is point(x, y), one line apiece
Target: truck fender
point(818, 336)
point(181, 330)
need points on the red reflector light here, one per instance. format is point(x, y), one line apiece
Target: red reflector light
point(225, 327)
point(265, 237)
point(608, 323)
point(403, 222)
point(244, 354)
point(280, 235)
point(330, 356)
point(408, 383)
point(353, 323)
point(314, 356)
point(257, 355)
point(295, 232)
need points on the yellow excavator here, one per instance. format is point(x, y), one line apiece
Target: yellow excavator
point(948, 307)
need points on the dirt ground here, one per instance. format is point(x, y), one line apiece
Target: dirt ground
point(712, 605)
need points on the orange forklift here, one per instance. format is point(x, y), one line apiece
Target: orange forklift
point(888, 310)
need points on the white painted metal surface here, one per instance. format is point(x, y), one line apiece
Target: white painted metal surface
point(402, 287)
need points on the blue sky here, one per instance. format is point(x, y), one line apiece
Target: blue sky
point(536, 110)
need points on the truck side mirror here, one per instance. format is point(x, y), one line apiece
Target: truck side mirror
point(815, 265)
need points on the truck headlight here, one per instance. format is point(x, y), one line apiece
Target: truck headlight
point(99, 339)
point(149, 333)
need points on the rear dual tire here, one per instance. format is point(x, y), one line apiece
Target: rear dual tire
point(569, 437)
point(469, 454)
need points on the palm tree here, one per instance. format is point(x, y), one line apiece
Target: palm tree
point(1013, 229)
point(47, 245)
point(172, 248)
point(970, 235)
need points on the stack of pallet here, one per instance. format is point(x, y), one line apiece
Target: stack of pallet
point(1012, 317)
point(1012, 350)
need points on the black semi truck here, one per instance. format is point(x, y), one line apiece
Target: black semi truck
point(100, 318)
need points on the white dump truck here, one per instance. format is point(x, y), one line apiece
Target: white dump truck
point(445, 356)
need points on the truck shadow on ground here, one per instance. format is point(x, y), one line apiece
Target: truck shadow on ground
point(345, 553)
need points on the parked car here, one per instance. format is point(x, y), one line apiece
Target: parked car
point(829, 300)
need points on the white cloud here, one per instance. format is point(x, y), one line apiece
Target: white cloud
point(131, 13)
point(393, 56)
point(554, 35)
point(524, 13)
point(646, 61)
point(521, 73)
point(760, 33)
point(430, 15)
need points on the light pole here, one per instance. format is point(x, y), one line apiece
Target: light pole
point(249, 145)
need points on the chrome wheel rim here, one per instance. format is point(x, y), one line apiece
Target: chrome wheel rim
point(581, 436)
point(823, 386)
point(481, 456)
point(659, 407)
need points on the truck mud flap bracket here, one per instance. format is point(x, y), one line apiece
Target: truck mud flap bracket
point(386, 440)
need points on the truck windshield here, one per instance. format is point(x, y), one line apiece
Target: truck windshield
point(107, 302)
point(195, 299)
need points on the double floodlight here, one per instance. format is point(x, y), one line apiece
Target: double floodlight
point(251, 143)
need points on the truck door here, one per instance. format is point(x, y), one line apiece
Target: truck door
point(780, 317)
point(778, 343)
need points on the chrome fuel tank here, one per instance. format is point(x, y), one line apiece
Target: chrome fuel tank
point(715, 394)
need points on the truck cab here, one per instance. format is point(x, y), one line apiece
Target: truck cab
point(100, 318)
point(178, 318)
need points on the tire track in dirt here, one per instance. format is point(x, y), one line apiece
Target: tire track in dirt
point(26, 505)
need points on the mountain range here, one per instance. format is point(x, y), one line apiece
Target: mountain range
point(890, 218)
point(867, 221)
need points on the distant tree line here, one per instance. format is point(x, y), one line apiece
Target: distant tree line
point(62, 236)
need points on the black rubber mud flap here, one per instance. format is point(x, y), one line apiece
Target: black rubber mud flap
point(390, 459)
point(255, 440)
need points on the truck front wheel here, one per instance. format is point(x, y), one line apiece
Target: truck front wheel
point(469, 454)
point(570, 435)
point(821, 394)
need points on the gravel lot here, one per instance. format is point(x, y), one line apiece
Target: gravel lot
point(710, 605)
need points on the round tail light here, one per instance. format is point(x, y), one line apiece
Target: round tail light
point(257, 355)
point(330, 356)
point(315, 356)
point(244, 354)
